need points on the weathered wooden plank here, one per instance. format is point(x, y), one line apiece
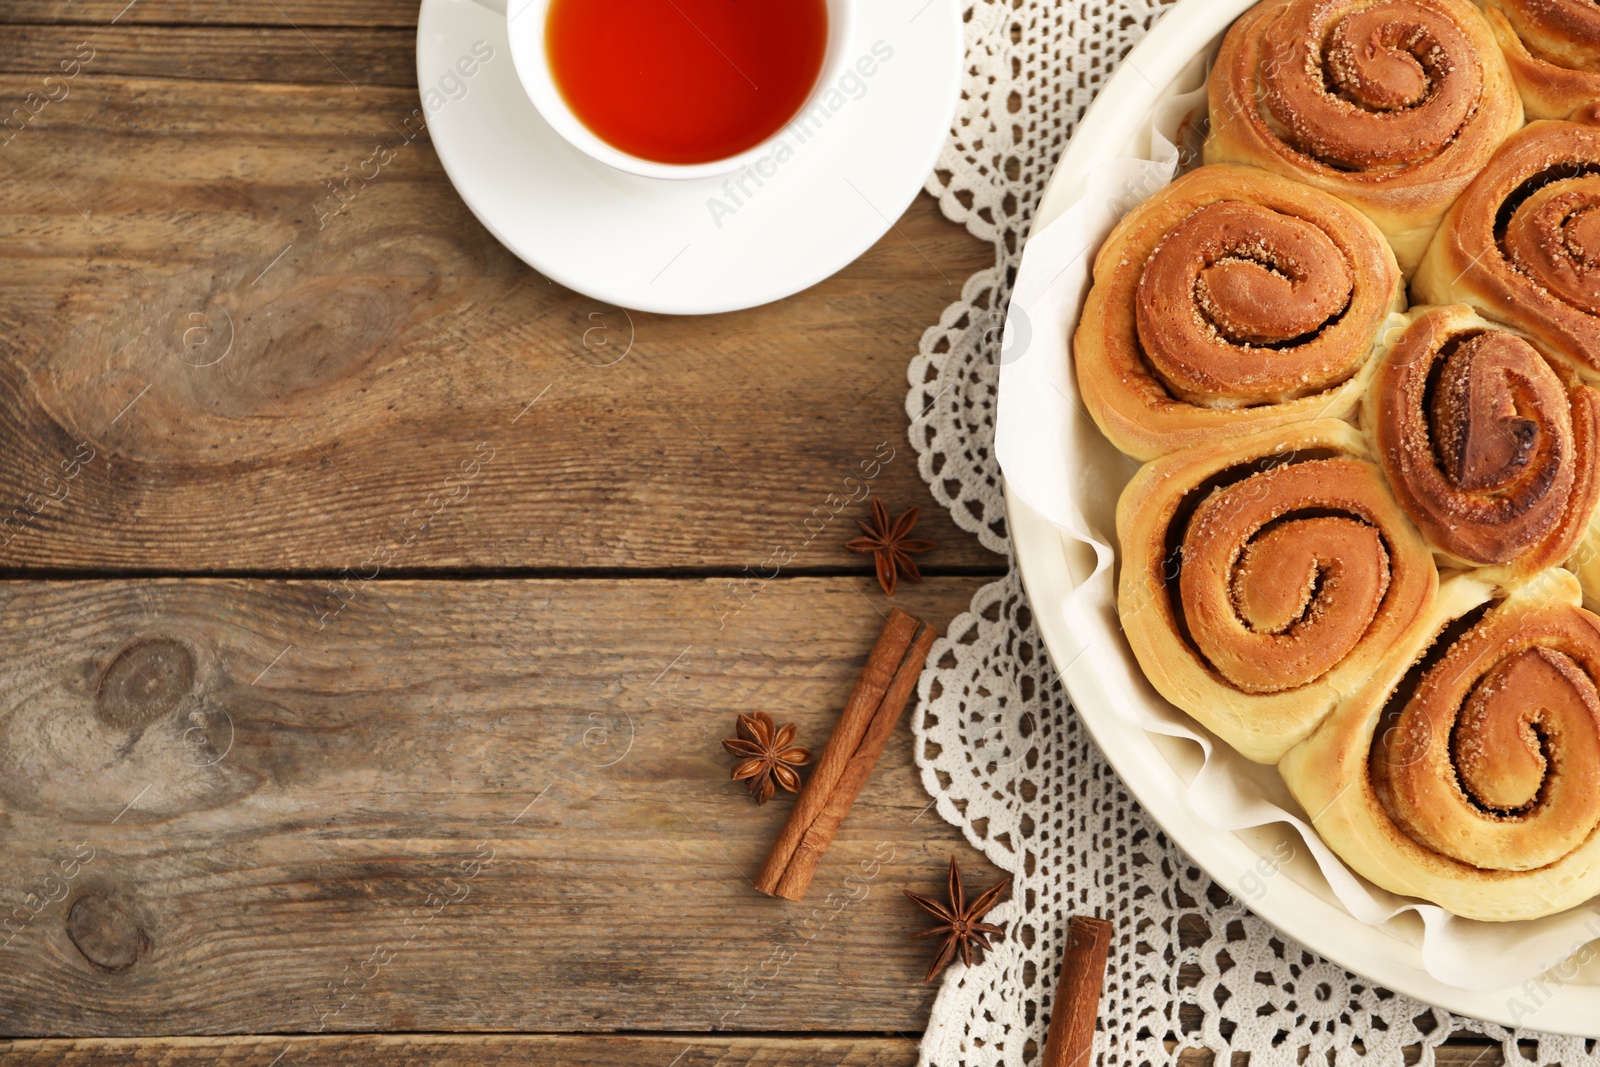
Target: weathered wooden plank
point(455, 806)
point(554, 1050)
point(277, 53)
point(302, 13)
point(382, 342)
point(451, 1051)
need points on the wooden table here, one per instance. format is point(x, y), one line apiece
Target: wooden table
point(374, 607)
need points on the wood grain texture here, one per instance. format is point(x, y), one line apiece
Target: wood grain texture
point(486, 1051)
point(302, 13)
point(544, 1050)
point(374, 349)
point(456, 806)
point(308, 55)
point(256, 808)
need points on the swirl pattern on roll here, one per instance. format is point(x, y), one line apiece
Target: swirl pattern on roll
point(1263, 576)
point(1523, 243)
point(1273, 599)
point(1232, 300)
point(1489, 448)
point(1390, 104)
point(1495, 759)
point(1473, 777)
point(1553, 48)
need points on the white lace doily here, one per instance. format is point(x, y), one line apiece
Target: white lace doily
point(999, 747)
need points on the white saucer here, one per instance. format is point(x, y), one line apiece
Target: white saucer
point(702, 246)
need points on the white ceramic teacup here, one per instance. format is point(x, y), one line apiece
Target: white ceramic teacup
point(525, 25)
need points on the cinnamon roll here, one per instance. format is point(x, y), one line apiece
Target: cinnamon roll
point(1522, 244)
point(1468, 774)
point(1553, 49)
point(1392, 105)
point(1489, 446)
point(1231, 301)
point(1265, 578)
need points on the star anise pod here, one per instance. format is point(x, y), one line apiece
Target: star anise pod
point(770, 756)
point(890, 545)
point(958, 924)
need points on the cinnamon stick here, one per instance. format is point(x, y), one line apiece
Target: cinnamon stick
point(864, 727)
point(1077, 1005)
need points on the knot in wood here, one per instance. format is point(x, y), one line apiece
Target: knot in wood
point(106, 932)
point(145, 682)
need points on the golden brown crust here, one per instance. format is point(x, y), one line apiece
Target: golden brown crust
point(1522, 245)
point(1231, 301)
point(1266, 578)
point(1391, 105)
point(1279, 567)
point(1471, 779)
point(1553, 49)
point(1489, 446)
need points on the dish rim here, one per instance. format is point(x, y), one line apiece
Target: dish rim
point(1044, 552)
